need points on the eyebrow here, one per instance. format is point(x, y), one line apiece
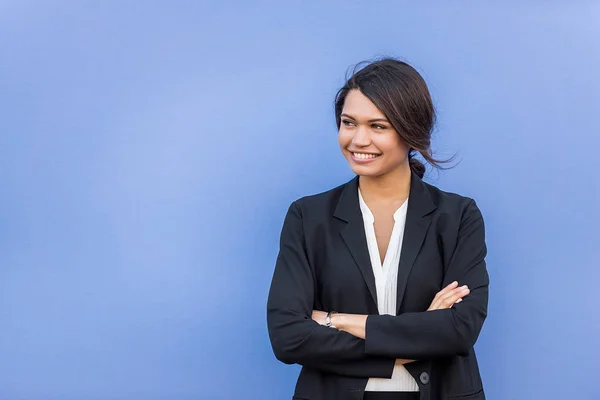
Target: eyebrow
point(371, 120)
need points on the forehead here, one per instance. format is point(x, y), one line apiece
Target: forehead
point(359, 106)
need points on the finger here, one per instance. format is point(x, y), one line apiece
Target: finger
point(456, 293)
point(450, 298)
point(446, 289)
point(436, 302)
point(444, 294)
point(453, 297)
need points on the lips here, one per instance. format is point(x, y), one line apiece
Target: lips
point(363, 158)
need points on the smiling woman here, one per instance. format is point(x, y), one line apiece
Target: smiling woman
point(380, 287)
point(370, 143)
point(393, 98)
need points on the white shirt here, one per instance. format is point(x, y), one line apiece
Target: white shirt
point(386, 282)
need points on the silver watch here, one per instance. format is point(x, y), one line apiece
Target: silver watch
point(328, 320)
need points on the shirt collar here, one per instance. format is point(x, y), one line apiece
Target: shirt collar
point(368, 215)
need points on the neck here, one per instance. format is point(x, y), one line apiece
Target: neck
point(390, 187)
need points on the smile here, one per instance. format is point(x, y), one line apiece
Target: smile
point(364, 156)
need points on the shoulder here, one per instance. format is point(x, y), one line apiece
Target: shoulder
point(320, 203)
point(444, 199)
point(453, 205)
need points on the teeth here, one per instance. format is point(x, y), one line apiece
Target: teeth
point(364, 156)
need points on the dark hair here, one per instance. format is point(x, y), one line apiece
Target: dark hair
point(401, 94)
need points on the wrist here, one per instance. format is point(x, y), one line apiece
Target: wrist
point(337, 320)
point(329, 320)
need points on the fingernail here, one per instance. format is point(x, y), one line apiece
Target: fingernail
point(458, 301)
point(465, 288)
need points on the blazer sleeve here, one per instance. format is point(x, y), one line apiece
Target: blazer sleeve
point(295, 337)
point(441, 333)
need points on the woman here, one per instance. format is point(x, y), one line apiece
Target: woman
point(380, 287)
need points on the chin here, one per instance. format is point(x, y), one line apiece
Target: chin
point(365, 171)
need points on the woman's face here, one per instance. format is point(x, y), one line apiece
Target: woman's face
point(370, 144)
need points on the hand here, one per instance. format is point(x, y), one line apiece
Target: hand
point(319, 317)
point(448, 296)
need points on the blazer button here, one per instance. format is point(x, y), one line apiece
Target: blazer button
point(424, 377)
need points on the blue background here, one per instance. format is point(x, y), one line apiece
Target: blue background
point(149, 151)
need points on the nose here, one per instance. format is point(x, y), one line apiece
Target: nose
point(361, 137)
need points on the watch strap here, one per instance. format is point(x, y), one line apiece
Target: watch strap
point(328, 320)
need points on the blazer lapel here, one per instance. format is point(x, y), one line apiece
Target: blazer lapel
point(418, 219)
point(353, 234)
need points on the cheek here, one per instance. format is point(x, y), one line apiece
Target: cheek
point(344, 138)
point(393, 146)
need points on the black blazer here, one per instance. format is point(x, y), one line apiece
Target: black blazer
point(324, 264)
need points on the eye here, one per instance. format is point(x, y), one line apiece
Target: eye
point(378, 127)
point(347, 122)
